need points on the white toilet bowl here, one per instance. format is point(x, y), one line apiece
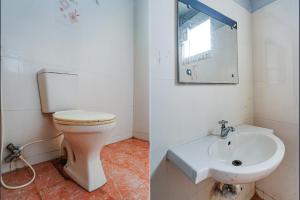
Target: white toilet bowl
point(85, 133)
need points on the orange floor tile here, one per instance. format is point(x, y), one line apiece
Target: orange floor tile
point(256, 197)
point(126, 165)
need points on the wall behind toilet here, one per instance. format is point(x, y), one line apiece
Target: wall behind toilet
point(276, 90)
point(35, 34)
point(181, 113)
point(141, 70)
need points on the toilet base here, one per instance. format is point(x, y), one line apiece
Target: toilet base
point(84, 168)
point(87, 185)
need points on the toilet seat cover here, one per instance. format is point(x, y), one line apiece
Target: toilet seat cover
point(81, 117)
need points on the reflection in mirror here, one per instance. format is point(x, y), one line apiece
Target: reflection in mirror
point(207, 45)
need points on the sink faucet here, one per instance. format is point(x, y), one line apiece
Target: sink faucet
point(225, 130)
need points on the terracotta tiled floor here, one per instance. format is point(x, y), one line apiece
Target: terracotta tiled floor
point(126, 165)
point(256, 197)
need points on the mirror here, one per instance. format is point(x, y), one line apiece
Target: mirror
point(206, 45)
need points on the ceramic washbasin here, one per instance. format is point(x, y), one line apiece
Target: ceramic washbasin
point(246, 155)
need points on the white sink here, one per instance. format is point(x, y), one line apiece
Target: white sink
point(247, 155)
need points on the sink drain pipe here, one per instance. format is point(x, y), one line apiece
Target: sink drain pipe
point(227, 191)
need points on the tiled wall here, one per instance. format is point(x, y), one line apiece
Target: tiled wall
point(181, 113)
point(34, 34)
point(141, 70)
point(276, 90)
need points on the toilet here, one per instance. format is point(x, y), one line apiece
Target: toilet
point(85, 132)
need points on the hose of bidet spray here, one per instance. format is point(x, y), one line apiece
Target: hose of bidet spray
point(26, 162)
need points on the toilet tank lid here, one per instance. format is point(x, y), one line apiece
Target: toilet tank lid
point(55, 71)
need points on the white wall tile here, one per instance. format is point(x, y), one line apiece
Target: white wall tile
point(276, 90)
point(162, 50)
point(19, 83)
point(281, 184)
point(281, 108)
point(141, 70)
point(24, 126)
point(105, 91)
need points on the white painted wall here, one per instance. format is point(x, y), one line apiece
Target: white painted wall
point(180, 113)
point(276, 90)
point(141, 70)
point(34, 34)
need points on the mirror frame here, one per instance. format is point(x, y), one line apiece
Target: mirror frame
point(201, 7)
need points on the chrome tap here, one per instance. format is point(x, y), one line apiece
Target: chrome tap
point(225, 130)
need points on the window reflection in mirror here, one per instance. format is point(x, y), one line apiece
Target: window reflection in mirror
point(207, 48)
point(198, 40)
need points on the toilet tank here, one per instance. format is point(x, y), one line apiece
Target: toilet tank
point(58, 90)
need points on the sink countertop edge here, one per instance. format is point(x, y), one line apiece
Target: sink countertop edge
point(181, 164)
point(201, 170)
